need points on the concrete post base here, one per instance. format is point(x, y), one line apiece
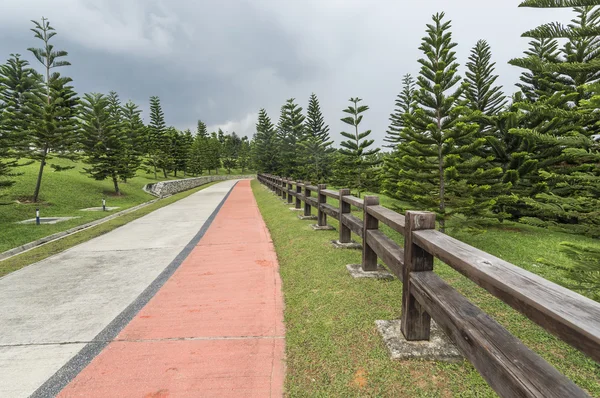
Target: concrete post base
point(438, 348)
point(357, 272)
point(324, 228)
point(352, 245)
point(307, 217)
point(294, 209)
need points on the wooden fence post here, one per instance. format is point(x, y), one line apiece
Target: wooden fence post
point(284, 188)
point(298, 192)
point(345, 208)
point(307, 211)
point(369, 257)
point(321, 215)
point(416, 322)
point(289, 191)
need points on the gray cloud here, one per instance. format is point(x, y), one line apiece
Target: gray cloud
point(223, 60)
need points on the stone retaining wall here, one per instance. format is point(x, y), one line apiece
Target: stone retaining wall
point(166, 188)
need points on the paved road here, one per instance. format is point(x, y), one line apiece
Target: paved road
point(215, 329)
point(57, 315)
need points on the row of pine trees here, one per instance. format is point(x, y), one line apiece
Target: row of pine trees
point(458, 145)
point(42, 118)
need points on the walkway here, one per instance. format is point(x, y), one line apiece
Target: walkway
point(138, 313)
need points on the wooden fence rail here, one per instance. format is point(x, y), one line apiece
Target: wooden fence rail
point(509, 367)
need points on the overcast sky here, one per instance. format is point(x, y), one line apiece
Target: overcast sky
point(223, 60)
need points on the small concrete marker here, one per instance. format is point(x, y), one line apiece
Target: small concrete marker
point(45, 220)
point(103, 204)
point(438, 348)
point(351, 245)
point(356, 271)
point(37, 216)
point(307, 217)
point(294, 209)
point(322, 228)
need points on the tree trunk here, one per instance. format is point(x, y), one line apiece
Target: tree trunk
point(38, 184)
point(165, 173)
point(175, 175)
point(116, 183)
point(155, 175)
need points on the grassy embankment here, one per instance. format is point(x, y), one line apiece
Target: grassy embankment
point(333, 348)
point(64, 194)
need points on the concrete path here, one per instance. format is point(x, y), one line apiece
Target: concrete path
point(214, 323)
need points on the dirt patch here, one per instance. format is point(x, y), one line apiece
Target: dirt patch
point(360, 379)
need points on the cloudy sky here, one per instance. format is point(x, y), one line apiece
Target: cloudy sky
point(223, 60)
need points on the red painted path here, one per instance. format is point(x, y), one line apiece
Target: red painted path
point(215, 329)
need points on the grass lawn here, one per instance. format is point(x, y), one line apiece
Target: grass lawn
point(22, 260)
point(63, 194)
point(333, 348)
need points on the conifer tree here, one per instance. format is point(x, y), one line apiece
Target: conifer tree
point(355, 150)
point(290, 131)
point(134, 131)
point(266, 150)
point(316, 145)
point(52, 109)
point(17, 79)
point(404, 106)
point(214, 151)
point(561, 188)
point(439, 169)
point(231, 151)
point(157, 140)
point(482, 93)
point(244, 157)
point(102, 138)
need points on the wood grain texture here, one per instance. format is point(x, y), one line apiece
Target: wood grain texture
point(389, 217)
point(570, 316)
point(354, 201)
point(331, 193)
point(388, 250)
point(509, 367)
point(345, 208)
point(354, 223)
point(416, 322)
point(369, 256)
point(330, 210)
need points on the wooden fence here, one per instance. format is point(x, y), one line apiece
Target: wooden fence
point(509, 367)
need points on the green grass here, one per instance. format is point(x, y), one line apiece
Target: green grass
point(17, 262)
point(63, 194)
point(332, 346)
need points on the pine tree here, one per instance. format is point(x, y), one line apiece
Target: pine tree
point(52, 110)
point(536, 84)
point(17, 79)
point(266, 150)
point(134, 131)
point(290, 131)
point(231, 151)
point(102, 138)
point(404, 106)
point(214, 150)
point(245, 154)
point(482, 93)
point(439, 169)
point(355, 150)
point(561, 187)
point(157, 140)
point(316, 145)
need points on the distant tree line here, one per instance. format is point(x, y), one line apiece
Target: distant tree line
point(43, 118)
point(457, 145)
